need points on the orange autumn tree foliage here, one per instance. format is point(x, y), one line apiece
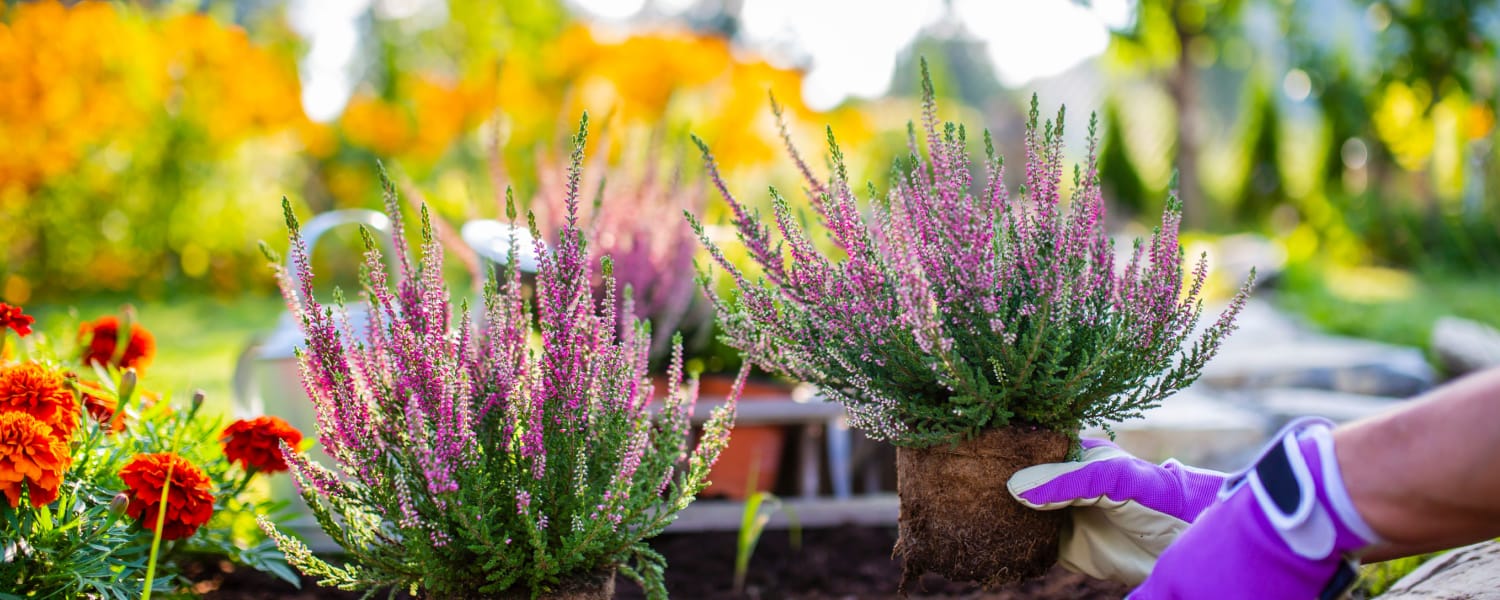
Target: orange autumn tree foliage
point(125, 131)
point(664, 78)
point(430, 115)
point(77, 79)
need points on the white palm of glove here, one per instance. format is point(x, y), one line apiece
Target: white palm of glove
point(1125, 511)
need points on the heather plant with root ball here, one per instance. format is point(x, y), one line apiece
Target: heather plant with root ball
point(976, 330)
point(519, 458)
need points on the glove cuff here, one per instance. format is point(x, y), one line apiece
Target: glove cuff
point(1333, 492)
point(1298, 487)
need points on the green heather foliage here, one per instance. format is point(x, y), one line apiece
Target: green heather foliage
point(505, 458)
point(947, 309)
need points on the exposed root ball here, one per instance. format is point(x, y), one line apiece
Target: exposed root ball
point(958, 520)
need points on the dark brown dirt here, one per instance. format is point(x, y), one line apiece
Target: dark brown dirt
point(600, 586)
point(842, 563)
point(222, 580)
point(958, 521)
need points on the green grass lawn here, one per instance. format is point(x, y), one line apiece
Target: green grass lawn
point(1391, 306)
point(198, 338)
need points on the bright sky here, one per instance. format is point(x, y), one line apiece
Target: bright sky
point(332, 37)
point(849, 46)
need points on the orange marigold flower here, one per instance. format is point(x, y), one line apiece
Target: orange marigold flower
point(101, 336)
point(41, 392)
point(10, 316)
point(30, 454)
point(256, 443)
point(190, 500)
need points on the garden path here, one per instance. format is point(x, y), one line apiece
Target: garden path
point(1271, 370)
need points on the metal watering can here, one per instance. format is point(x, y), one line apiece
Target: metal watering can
point(278, 348)
point(267, 379)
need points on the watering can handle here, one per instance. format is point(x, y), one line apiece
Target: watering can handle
point(248, 402)
point(246, 389)
point(319, 225)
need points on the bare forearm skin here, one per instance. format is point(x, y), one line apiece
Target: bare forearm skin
point(1427, 476)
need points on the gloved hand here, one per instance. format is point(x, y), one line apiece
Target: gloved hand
point(1283, 528)
point(1126, 511)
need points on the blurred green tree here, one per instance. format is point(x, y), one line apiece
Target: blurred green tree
point(1263, 188)
point(1408, 104)
point(1174, 40)
point(1122, 180)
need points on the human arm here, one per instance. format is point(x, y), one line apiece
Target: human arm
point(1418, 475)
point(1418, 478)
point(1424, 477)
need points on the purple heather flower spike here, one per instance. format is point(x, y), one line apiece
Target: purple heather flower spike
point(944, 294)
point(460, 436)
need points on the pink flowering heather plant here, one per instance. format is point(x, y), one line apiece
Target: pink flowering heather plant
point(949, 308)
point(634, 220)
point(510, 459)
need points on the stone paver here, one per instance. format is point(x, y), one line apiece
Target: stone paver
point(1281, 405)
point(1464, 346)
point(1196, 428)
point(1468, 573)
point(1322, 362)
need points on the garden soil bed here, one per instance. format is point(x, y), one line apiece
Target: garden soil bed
point(847, 562)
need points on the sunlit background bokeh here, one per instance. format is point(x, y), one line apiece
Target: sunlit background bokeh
point(145, 147)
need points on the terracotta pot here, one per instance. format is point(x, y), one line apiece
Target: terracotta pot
point(752, 448)
point(958, 520)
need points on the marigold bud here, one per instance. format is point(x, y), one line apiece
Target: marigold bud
point(117, 506)
point(128, 381)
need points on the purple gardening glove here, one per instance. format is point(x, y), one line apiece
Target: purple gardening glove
point(1125, 511)
point(1283, 528)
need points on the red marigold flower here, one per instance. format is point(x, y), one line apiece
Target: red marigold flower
point(10, 316)
point(101, 336)
point(256, 443)
point(102, 405)
point(30, 454)
point(41, 392)
point(190, 500)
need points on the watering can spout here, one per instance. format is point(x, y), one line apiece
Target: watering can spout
point(494, 241)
